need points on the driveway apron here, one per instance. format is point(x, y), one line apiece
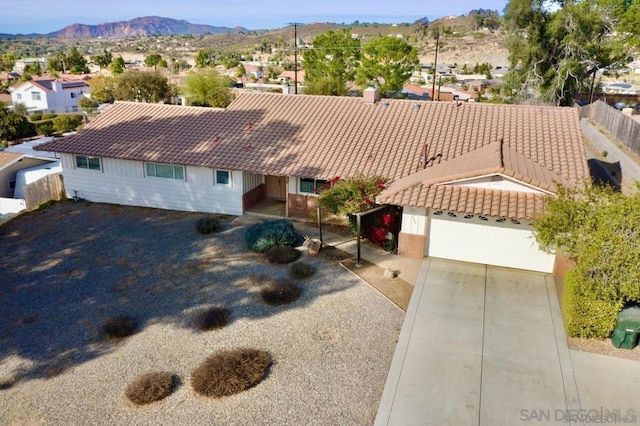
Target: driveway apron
point(479, 346)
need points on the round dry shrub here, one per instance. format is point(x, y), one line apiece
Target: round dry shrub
point(150, 387)
point(301, 270)
point(117, 328)
point(230, 372)
point(207, 225)
point(282, 255)
point(280, 292)
point(212, 318)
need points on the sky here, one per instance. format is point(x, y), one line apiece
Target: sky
point(44, 16)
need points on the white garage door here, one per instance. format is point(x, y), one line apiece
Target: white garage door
point(486, 240)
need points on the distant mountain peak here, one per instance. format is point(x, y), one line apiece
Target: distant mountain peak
point(143, 26)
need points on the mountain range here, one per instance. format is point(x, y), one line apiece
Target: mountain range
point(148, 25)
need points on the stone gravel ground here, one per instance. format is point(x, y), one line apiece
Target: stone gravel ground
point(67, 268)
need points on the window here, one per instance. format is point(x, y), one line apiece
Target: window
point(12, 185)
point(35, 96)
point(168, 171)
point(73, 95)
point(87, 162)
point(18, 95)
point(311, 186)
point(223, 177)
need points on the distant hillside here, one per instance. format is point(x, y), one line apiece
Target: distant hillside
point(149, 25)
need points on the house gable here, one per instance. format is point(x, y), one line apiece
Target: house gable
point(500, 182)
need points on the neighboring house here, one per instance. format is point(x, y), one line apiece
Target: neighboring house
point(20, 64)
point(621, 88)
point(290, 76)
point(417, 92)
point(50, 95)
point(469, 176)
point(12, 167)
point(446, 93)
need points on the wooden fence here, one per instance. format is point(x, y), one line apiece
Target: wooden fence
point(621, 126)
point(50, 187)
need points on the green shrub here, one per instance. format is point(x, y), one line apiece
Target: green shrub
point(117, 328)
point(267, 234)
point(280, 292)
point(150, 387)
point(207, 225)
point(48, 116)
point(282, 255)
point(35, 117)
point(587, 314)
point(230, 372)
point(301, 270)
point(213, 318)
point(67, 122)
point(45, 128)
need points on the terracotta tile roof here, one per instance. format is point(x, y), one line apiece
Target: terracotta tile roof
point(470, 200)
point(492, 159)
point(8, 158)
point(324, 137)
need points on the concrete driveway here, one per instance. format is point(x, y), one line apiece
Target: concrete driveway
point(480, 345)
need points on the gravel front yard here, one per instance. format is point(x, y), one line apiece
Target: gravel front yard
point(67, 268)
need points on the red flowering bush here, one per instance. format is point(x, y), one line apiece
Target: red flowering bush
point(352, 195)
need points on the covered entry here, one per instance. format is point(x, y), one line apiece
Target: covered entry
point(486, 240)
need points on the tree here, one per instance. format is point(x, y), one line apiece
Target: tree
point(76, 62)
point(387, 62)
point(555, 53)
point(14, 126)
point(58, 63)
point(102, 89)
point(67, 122)
point(241, 72)
point(141, 87)
point(203, 58)
point(153, 60)
point(33, 68)
point(7, 62)
point(598, 229)
point(208, 88)
point(87, 105)
point(332, 62)
point(103, 60)
point(117, 65)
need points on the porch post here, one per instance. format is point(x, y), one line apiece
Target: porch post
point(286, 198)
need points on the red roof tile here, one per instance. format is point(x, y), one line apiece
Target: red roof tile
point(323, 137)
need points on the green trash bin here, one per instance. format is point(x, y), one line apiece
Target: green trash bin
point(627, 330)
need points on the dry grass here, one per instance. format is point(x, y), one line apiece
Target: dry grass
point(282, 255)
point(280, 292)
point(230, 372)
point(300, 270)
point(212, 319)
point(150, 387)
point(118, 328)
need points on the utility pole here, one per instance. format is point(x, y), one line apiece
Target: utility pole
point(295, 55)
point(435, 67)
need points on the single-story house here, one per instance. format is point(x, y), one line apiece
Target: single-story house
point(50, 95)
point(470, 177)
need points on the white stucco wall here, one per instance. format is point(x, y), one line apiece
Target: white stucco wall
point(124, 182)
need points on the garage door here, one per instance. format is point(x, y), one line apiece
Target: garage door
point(487, 240)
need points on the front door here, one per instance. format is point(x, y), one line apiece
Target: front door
point(276, 187)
